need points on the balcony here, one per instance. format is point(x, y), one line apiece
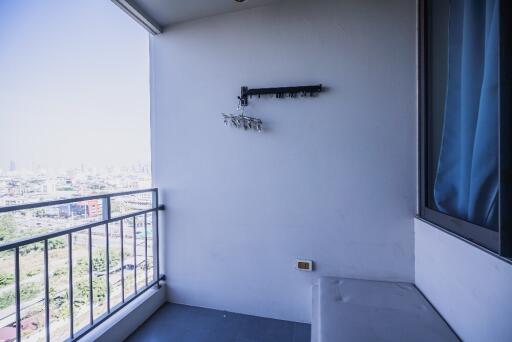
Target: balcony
point(324, 171)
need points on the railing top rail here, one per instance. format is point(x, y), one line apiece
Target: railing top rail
point(72, 200)
point(46, 236)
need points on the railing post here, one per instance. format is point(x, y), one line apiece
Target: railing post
point(107, 265)
point(91, 303)
point(17, 292)
point(107, 215)
point(46, 292)
point(105, 207)
point(70, 270)
point(122, 259)
point(135, 255)
point(146, 246)
point(156, 249)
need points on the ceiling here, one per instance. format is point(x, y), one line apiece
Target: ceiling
point(168, 12)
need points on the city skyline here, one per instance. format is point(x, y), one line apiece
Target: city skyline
point(12, 166)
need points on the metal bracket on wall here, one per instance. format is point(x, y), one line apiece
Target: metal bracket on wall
point(279, 93)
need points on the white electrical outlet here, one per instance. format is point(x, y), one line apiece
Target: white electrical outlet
point(304, 265)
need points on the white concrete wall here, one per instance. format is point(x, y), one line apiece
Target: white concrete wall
point(469, 287)
point(331, 179)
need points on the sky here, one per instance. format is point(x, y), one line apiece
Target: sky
point(74, 85)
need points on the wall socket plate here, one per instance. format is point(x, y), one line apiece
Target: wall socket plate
point(304, 265)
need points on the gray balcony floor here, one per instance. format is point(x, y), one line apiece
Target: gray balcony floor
point(181, 323)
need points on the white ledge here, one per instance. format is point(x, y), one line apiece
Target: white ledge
point(123, 323)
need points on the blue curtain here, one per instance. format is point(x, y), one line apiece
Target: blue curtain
point(466, 181)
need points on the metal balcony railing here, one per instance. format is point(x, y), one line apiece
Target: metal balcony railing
point(107, 220)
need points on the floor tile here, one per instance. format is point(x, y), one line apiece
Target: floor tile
point(182, 323)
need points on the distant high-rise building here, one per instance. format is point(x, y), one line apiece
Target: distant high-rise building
point(50, 186)
point(12, 166)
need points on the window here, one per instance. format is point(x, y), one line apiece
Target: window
point(465, 93)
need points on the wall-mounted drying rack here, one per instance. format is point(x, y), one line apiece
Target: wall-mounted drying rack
point(278, 92)
point(243, 121)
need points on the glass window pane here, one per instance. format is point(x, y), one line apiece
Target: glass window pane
point(462, 110)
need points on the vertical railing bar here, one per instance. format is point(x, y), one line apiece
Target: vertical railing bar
point(17, 290)
point(107, 269)
point(134, 256)
point(91, 304)
point(107, 215)
point(146, 246)
point(157, 239)
point(122, 260)
point(70, 270)
point(46, 292)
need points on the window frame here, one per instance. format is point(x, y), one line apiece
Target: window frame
point(500, 241)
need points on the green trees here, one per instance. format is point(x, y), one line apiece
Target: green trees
point(7, 299)
point(6, 279)
point(99, 262)
point(7, 228)
point(56, 243)
point(32, 286)
point(28, 291)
